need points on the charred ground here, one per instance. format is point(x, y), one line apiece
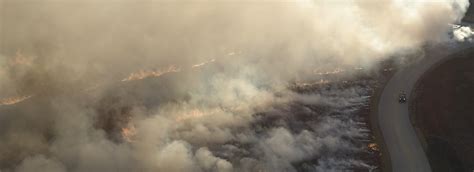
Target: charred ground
point(443, 109)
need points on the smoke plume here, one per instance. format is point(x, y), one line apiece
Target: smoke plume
point(199, 85)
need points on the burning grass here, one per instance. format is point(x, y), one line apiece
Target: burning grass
point(13, 100)
point(142, 74)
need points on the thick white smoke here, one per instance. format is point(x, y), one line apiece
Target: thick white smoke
point(209, 83)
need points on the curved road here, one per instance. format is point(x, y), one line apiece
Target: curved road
point(405, 150)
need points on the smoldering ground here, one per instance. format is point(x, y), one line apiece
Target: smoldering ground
point(196, 85)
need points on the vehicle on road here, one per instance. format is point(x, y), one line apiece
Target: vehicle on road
point(402, 97)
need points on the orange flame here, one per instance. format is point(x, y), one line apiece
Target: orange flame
point(128, 133)
point(196, 113)
point(142, 74)
point(373, 147)
point(13, 100)
point(320, 82)
point(20, 59)
point(203, 63)
point(336, 71)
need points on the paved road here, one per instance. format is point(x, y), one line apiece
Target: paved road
point(404, 147)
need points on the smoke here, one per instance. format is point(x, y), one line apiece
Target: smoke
point(462, 33)
point(197, 85)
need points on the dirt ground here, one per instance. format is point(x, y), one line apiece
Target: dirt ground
point(444, 112)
